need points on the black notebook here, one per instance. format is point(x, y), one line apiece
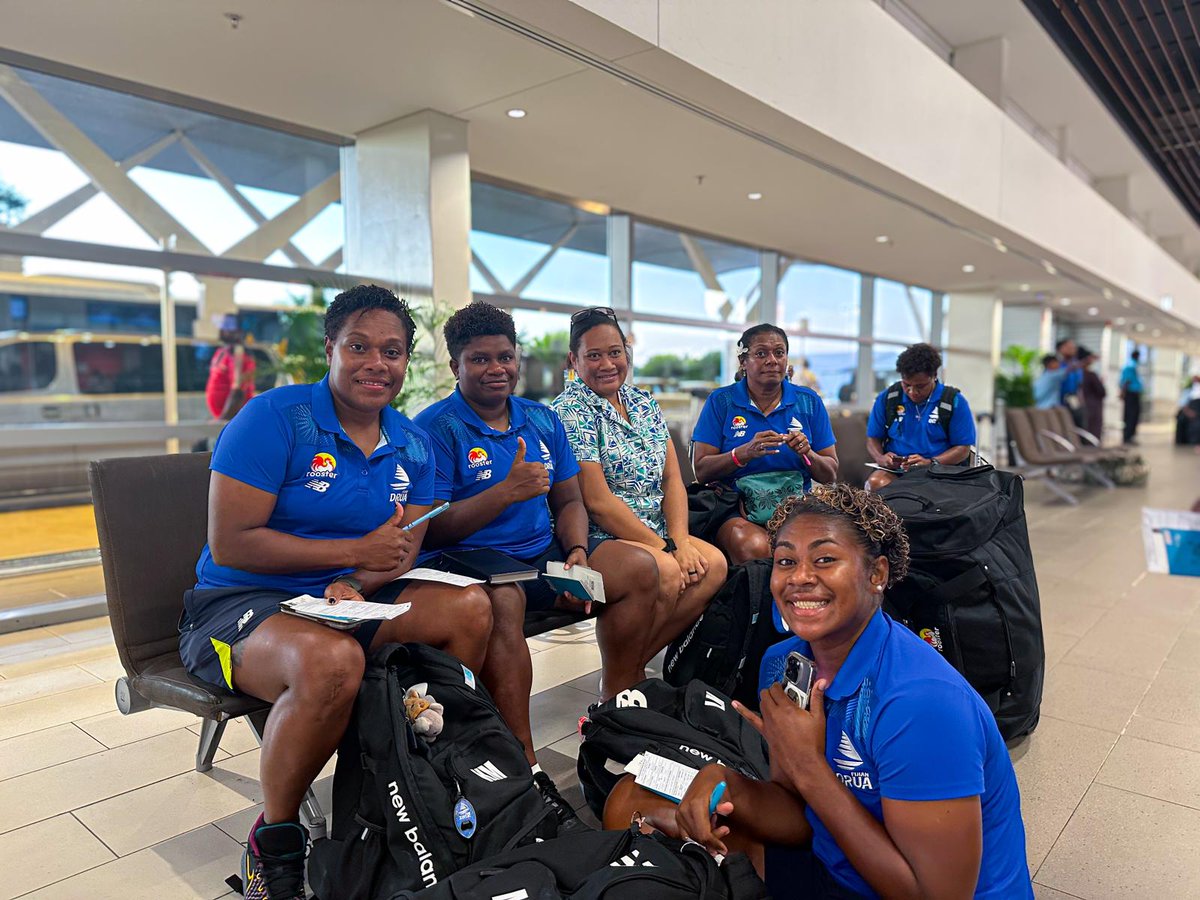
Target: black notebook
point(489, 565)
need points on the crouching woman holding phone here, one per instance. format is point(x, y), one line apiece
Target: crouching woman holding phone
point(895, 782)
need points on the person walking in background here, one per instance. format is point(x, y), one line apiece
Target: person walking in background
point(230, 373)
point(1131, 396)
point(1047, 387)
point(1093, 391)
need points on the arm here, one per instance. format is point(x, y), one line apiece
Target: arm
point(875, 451)
point(953, 456)
point(570, 517)
point(823, 464)
point(762, 811)
point(607, 510)
point(711, 464)
point(373, 581)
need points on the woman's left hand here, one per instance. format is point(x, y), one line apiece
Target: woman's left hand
point(337, 591)
point(785, 725)
point(798, 441)
point(691, 562)
point(577, 557)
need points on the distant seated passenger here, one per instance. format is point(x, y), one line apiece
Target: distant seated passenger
point(918, 420)
point(1047, 387)
point(311, 485)
point(762, 437)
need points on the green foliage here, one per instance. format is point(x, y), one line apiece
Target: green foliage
point(429, 378)
point(1016, 390)
point(303, 347)
point(12, 205)
point(1023, 357)
point(683, 368)
point(551, 348)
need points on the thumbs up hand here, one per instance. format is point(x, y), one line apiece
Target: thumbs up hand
point(385, 548)
point(526, 480)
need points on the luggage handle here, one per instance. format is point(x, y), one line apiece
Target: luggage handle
point(974, 577)
point(924, 502)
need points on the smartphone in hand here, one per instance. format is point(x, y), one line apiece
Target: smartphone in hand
point(798, 674)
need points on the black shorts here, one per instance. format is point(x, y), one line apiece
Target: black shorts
point(215, 619)
point(538, 593)
point(797, 872)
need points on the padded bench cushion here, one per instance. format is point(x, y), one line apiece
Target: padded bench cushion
point(166, 682)
point(540, 621)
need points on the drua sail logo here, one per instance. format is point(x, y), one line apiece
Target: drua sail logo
point(850, 766)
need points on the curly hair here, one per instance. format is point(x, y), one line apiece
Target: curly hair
point(875, 524)
point(474, 320)
point(743, 343)
point(363, 298)
point(919, 359)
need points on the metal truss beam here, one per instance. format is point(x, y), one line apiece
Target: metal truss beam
point(275, 233)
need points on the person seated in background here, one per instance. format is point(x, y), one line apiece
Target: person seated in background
point(306, 497)
point(918, 420)
point(231, 371)
point(761, 425)
point(1187, 419)
point(1047, 387)
point(629, 474)
point(896, 781)
point(506, 467)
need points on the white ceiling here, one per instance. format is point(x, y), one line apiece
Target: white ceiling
point(345, 67)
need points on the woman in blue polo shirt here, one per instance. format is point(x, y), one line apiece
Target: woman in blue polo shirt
point(311, 487)
point(897, 782)
point(761, 424)
point(506, 465)
point(918, 420)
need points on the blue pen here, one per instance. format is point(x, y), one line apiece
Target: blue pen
point(715, 800)
point(436, 511)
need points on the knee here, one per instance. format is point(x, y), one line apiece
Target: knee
point(749, 542)
point(328, 669)
point(670, 577)
point(878, 480)
point(718, 568)
point(472, 610)
point(507, 603)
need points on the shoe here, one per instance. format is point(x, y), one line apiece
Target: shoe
point(568, 822)
point(273, 864)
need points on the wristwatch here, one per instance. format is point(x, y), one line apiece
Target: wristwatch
point(350, 580)
point(670, 546)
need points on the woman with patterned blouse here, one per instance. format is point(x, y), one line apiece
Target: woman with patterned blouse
point(629, 473)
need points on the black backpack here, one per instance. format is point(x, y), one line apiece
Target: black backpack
point(971, 592)
point(602, 864)
point(694, 724)
point(399, 817)
point(726, 644)
point(894, 398)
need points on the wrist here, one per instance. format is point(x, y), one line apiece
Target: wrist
point(575, 547)
point(349, 580)
point(733, 455)
point(669, 546)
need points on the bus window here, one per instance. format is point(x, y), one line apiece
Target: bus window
point(191, 366)
point(110, 368)
point(26, 367)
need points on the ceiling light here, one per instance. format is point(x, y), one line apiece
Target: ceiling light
point(754, 195)
point(516, 113)
point(1093, 310)
point(1024, 288)
point(1140, 327)
point(1166, 301)
point(968, 268)
point(999, 245)
point(1126, 304)
point(1049, 267)
point(1156, 332)
point(882, 239)
point(1065, 301)
point(1108, 295)
point(1120, 320)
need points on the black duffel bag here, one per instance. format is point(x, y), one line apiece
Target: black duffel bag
point(614, 865)
point(971, 592)
point(694, 724)
point(709, 507)
point(406, 812)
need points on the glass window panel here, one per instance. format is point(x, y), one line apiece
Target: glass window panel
point(36, 177)
point(883, 364)
point(902, 311)
point(322, 236)
point(100, 221)
point(677, 357)
point(26, 366)
point(835, 363)
point(543, 337)
point(667, 277)
point(199, 204)
point(822, 298)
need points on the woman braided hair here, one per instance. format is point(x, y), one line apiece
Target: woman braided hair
point(876, 525)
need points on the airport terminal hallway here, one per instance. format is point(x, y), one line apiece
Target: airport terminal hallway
point(93, 804)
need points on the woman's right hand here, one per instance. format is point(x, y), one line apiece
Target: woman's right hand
point(763, 444)
point(387, 547)
point(693, 817)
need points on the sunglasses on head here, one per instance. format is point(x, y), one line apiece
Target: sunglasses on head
point(606, 312)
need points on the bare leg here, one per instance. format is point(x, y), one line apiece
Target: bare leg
point(879, 480)
point(457, 620)
point(743, 541)
point(631, 588)
point(508, 669)
point(677, 609)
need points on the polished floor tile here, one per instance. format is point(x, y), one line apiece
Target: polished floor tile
point(113, 729)
point(1186, 736)
point(1093, 698)
point(1174, 697)
point(555, 713)
point(46, 852)
point(45, 748)
point(55, 709)
point(1156, 770)
point(41, 684)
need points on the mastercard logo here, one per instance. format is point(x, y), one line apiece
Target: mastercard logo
point(323, 462)
point(739, 421)
point(477, 456)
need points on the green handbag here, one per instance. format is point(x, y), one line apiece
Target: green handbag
point(762, 493)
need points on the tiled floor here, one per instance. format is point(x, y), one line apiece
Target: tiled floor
point(96, 805)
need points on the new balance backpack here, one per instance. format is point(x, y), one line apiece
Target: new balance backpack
point(726, 644)
point(971, 592)
point(693, 724)
point(613, 865)
point(406, 812)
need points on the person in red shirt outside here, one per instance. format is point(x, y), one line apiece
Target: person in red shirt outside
point(230, 374)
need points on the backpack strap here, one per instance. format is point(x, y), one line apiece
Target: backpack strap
point(945, 408)
point(757, 580)
point(891, 411)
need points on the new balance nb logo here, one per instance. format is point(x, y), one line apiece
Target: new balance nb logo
point(631, 859)
point(631, 698)
point(711, 699)
point(319, 486)
point(488, 772)
point(521, 894)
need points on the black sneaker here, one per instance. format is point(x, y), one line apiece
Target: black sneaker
point(568, 822)
point(273, 864)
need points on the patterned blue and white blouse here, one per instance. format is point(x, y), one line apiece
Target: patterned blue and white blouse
point(632, 454)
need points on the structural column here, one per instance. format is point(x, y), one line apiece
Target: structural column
point(974, 323)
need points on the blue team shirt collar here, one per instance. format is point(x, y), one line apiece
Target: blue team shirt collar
point(516, 415)
point(325, 415)
point(741, 397)
point(863, 657)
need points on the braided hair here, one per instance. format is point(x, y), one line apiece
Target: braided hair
point(875, 524)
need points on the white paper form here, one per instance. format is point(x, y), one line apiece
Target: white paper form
point(440, 577)
point(345, 610)
point(663, 776)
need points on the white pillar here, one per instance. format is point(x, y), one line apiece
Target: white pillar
point(216, 302)
point(972, 357)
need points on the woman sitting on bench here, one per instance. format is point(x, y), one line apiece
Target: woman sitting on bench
point(895, 781)
point(311, 488)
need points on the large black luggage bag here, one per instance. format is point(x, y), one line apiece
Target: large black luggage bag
point(971, 592)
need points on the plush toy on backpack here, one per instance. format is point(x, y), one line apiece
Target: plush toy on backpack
point(425, 713)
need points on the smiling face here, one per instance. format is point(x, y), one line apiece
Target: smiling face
point(766, 361)
point(823, 582)
point(486, 370)
point(601, 360)
point(367, 361)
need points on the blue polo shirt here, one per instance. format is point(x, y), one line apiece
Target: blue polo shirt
point(288, 442)
point(901, 723)
point(1131, 381)
point(730, 419)
point(1072, 380)
point(472, 456)
point(917, 428)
